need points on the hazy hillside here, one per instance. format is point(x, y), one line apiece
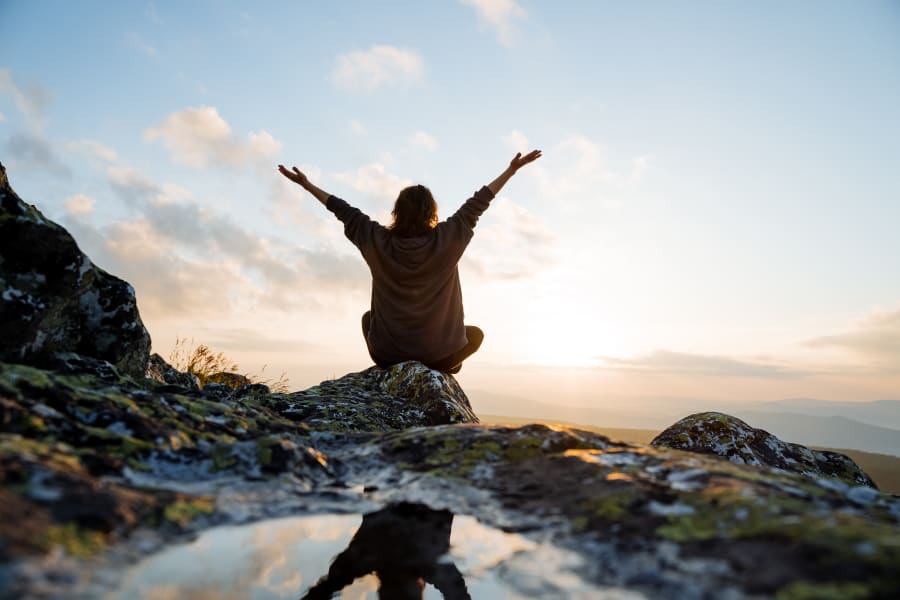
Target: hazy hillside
point(821, 426)
point(882, 413)
point(884, 469)
point(837, 432)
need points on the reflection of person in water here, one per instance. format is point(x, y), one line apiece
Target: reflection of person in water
point(416, 311)
point(405, 545)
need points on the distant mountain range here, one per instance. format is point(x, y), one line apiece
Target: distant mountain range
point(868, 426)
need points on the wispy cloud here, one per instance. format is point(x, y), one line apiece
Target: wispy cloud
point(374, 181)
point(2, 117)
point(682, 363)
point(31, 100)
point(136, 42)
point(424, 140)
point(510, 243)
point(500, 16)
point(199, 137)
point(517, 141)
point(875, 338)
point(366, 70)
point(189, 260)
point(32, 150)
point(79, 205)
point(96, 149)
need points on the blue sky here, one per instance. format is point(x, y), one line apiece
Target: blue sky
point(714, 216)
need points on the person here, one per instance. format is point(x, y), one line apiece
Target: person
point(406, 546)
point(416, 311)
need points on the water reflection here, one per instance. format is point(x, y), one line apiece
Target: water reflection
point(406, 546)
point(391, 553)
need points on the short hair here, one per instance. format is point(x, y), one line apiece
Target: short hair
point(415, 212)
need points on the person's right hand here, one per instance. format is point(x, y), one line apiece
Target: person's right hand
point(520, 161)
point(296, 175)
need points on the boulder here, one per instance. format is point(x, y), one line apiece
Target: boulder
point(729, 437)
point(54, 299)
point(408, 394)
point(159, 370)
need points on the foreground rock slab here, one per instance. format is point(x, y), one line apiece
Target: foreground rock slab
point(92, 460)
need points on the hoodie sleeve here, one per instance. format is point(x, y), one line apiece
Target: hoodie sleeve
point(358, 227)
point(463, 221)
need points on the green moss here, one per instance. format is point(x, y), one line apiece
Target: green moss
point(183, 512)
point(222, 458)
point(76, 541)
point(808, 590)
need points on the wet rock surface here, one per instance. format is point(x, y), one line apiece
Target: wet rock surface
point(91, 463)
point(54, 299)
point(723, 435)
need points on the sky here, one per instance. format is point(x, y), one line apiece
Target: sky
point(714, 218)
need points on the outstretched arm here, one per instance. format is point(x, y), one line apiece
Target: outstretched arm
point(300, 179)
point(514, 165)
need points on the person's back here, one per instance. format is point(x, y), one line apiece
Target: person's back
point(416, 311)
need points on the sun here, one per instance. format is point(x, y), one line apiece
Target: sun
point(559, 336)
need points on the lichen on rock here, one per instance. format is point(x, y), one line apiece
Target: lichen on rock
point(729, 437)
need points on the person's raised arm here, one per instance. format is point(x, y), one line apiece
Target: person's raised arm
point(300, 179)
point(515, 164)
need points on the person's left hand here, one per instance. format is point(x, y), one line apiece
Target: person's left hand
point(520, 161)
point(296, 175)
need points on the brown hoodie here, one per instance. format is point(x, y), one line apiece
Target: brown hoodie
point(417, 310)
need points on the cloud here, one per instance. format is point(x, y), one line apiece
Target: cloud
point(357, 127)
point(374, 181)
point(639, 166)
point(34, 151)
point(79, 205)
point(32, 101)
point(510, 243)
point(499, 15)
point(137, 42)
point(2, 117)
point(199, 137)
point(517, 141)
point(95, 148)
point(377, 66)
point(681, 363)
point(421, 139)
point(876, 338)
point(187, 259)
point(574, 166)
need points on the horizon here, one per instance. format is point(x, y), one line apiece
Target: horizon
point(713, 219)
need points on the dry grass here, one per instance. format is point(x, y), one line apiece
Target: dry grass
point(215, 367)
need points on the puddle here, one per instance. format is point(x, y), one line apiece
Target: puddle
point(407, 550)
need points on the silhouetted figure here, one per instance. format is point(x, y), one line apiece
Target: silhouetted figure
point(405, 545)
point(417, 308)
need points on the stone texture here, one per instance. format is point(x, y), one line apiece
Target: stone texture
point(54, 299)
point(88, 461)
point(159, 370)
point(406, 395)
point(723, 435)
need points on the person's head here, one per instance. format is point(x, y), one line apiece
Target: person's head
point(415, 212)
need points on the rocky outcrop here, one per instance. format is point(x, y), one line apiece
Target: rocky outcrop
point(88, 461)
point(54, 299)
point(723, 435)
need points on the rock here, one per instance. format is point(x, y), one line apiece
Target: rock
point(54, 299)
point(729, 437)
point(159, 370)
point(405, 395)
point(87, 464)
